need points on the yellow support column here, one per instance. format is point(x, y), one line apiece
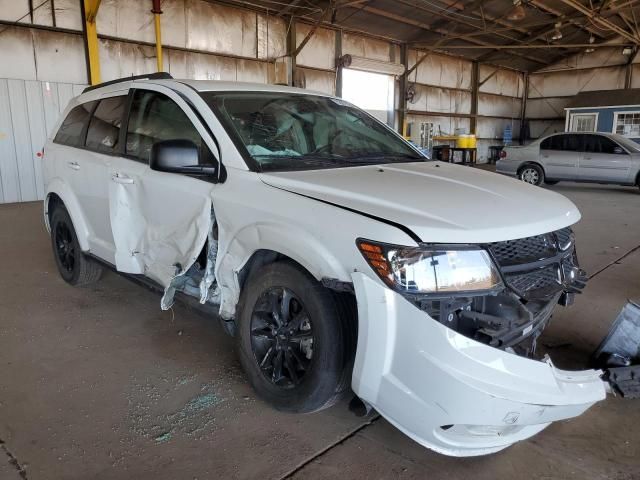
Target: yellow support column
point(91, 36)
point(156, 14)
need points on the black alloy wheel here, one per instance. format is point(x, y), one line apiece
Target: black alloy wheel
point(282, 337)
point(74, 266)
point(65, 247)
point(296, 338)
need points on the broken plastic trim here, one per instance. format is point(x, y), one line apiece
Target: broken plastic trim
point(207, 293)
point(625, 380)
point(621, 346)
point(619, 352)
point(194, 281)
point(337, 285)
point(538, 273)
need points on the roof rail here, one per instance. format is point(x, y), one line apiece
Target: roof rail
point(149, 76)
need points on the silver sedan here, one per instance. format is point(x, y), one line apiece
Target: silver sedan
point(576, 157)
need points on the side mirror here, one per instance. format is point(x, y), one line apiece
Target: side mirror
point(179, 156)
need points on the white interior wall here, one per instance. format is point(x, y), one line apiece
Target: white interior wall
point(443, 85)
point(202, 40)
point(552, 88)
point(29, 110)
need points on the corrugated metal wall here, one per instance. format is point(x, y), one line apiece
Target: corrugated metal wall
point(29, 110)
point(205, 40)
point(444, 97)
point(552, 88)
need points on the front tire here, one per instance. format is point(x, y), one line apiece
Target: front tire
point(292, 341)
point(74, 266)
point(531, 174)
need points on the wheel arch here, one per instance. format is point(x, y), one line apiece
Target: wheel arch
point(532, 163)
point(261, 244)
point(59, 193)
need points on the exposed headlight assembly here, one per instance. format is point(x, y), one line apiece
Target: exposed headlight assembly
point(437, 270)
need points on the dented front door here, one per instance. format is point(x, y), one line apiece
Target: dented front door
point(160, 221)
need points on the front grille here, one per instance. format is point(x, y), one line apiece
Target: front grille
point(521, 260)
point(565, 238)
point(523, 250)
point(544, 279)
point(531, 249)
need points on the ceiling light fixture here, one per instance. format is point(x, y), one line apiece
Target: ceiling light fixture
point(517, 12)
point(557, 34)
point(627, 51)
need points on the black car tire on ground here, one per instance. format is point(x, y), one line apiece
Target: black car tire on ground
point(74, 266)
point(273, 339)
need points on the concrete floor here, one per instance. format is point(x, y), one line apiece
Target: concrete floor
point(99, 383)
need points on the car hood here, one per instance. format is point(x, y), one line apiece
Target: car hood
point(439, 202)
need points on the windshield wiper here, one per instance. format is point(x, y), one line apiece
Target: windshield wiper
point(277, 162)
point(385, 158)
point(312, 160)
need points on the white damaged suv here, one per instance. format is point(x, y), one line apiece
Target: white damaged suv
point(334, 252)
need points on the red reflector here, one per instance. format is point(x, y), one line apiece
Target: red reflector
point(503, 154)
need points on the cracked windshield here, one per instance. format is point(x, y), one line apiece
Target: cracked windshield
point(283, 131)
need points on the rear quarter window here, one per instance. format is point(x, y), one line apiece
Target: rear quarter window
point(104, 128)
point(72, 130)
point(567, 143)
point(547, 144)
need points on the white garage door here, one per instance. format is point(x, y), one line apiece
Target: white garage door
point(373, 92)
point(28, 112)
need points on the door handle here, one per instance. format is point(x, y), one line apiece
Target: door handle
point(73, 165)
point(545, 156)
point(122, 179)
point(586, 158)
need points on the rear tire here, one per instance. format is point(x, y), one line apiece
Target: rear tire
point(293, 339)
point(74, 266)
point(531, 174)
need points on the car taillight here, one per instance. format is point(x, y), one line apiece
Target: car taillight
point(503, 154)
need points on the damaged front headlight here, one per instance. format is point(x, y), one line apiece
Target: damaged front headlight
point(432, 269)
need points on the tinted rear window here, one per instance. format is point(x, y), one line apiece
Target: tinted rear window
point(569, 143)
point(72, 129)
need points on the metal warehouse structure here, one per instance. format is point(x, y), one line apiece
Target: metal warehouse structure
point(476, 66)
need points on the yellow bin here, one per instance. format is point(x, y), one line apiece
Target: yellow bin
point(472, 141)
point(462, 141)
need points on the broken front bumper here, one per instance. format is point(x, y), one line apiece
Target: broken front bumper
point(448, 392)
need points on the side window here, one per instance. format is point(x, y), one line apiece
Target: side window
point(609, 146)
point(600, 144)
point(554, 143)
point(72, 128)
point(566, 143)
point(592, 144)
point(104, 126)
point(154, 117)
point(572, 143)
